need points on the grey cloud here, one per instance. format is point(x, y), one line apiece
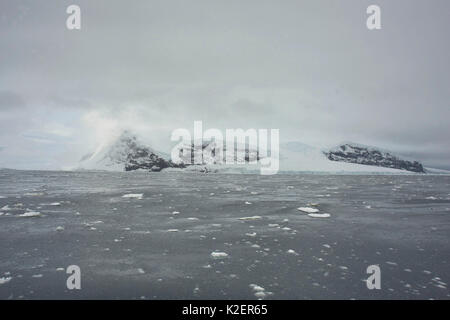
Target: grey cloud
point(10, 100)
point(310, 68)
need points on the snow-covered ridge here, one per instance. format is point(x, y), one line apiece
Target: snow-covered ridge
point(127, 153)
point(215, 152)
point(299, 157)
point(365, 155)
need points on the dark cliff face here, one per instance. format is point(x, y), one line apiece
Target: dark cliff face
point(136, 156)
point(142, 158)
point(372, 157)
point(213, 152)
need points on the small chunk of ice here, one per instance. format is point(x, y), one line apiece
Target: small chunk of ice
point(259, 291)
point(219, 255)
point(250, 218)
point(30, 214)
point(133, 195)
point(308, 209)
point(4, 280)
point(255, 287)
point(319, 215)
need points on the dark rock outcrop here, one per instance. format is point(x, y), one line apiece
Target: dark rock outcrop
point(212, 156)
point(136, 156)
point(353, 153)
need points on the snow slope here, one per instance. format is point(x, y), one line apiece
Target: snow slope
point(123, 154)
point(295, 156)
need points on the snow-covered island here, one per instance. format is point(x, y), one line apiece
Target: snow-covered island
point(127, 153)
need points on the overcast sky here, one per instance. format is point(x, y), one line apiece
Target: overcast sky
point(310, 68)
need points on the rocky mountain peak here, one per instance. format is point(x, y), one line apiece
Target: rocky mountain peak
point(354, 153)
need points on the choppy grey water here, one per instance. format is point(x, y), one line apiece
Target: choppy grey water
point(159, 246)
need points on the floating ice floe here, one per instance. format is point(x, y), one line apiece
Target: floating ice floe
point(246, 202)
point(60, 228)
point(319, 215)
point(255, 287)
point(172, 230)
point(196, 290)
point(175, 212)
point(290, 251)
point(4, 280)
point(431, 198)
point(5, 208)
point(33, 194)
point(250, 218)
point(253, 234)
point(308, 209)
point(133, 195)
point(219, 255)
point(55, 204)
point(259, 291)
point(30, 214)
